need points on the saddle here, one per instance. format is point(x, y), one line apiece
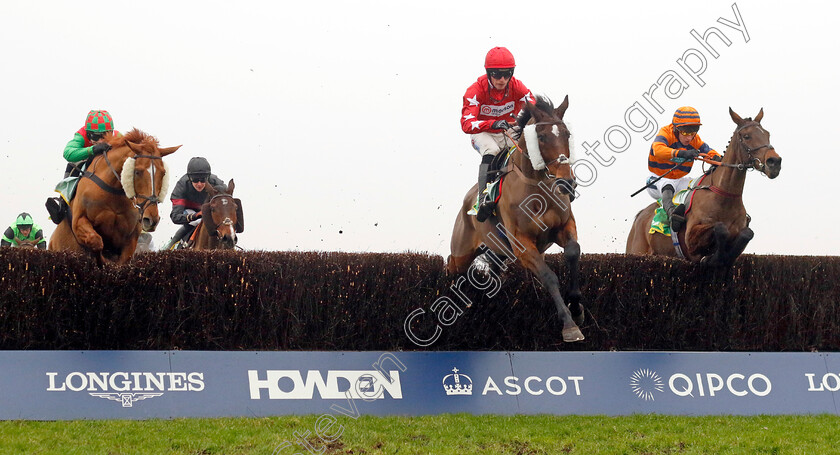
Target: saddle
point(495, 179)
point(660, 222)
point(67, 186)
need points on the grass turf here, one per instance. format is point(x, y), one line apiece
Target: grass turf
point(448, 434)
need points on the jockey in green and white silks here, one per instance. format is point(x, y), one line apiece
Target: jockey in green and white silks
point(87, 142)
point(22, 230)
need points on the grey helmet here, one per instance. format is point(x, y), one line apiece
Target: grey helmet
point(198, 167)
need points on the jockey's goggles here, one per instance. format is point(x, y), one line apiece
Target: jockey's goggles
point(501, 73)
point(94, 136)
point(198, 179)
point(688, 130)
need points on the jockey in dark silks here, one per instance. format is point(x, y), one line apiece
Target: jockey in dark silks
point(22, 230)
point(188, 196)
point(86, 143)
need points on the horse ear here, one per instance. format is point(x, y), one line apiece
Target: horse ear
point(168, 150)
point(134, 147)
point(230, 187)
point(735, 117)
point(562, 108)
point(211, 190)
point(760, 115)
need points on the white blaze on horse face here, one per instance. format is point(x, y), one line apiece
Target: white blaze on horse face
point(562, 159)
point(533, 144)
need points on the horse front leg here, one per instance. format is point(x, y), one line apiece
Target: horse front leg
point(127, 251)
point(572, 254)
point(567, 239)
point(738, 245)
point(534, 261)
point(718, 255)
point(86, 234)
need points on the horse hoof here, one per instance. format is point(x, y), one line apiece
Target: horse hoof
point(572, 334)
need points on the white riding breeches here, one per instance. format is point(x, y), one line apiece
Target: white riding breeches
point(490, 143)
point(655, 190)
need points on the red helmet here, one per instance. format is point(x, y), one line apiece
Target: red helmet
point(499, 57)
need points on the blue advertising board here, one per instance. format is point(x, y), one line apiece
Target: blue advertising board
point(59, 385)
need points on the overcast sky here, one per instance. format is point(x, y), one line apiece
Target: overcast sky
point(339, 121)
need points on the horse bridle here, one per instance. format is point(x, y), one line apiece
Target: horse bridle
point(752, 162)
point(227, 221)
point(153, 199)
point(562, 159)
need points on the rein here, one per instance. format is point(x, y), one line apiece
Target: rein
point(752, 163)
point(561, 160)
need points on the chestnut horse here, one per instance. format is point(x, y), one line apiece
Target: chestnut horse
point(531, 214)
point(717, 225)
point(119, 191)
point(221, 220)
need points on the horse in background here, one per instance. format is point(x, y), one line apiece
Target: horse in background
point(532, 213)
point(221, 220)
point(717, 229)
point(26, 244)
point(116, 197)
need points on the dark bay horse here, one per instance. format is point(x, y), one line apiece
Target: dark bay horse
point(533, 212)
point(26, 243)
point(221, 220)
point(116, 196)
point(717, 225)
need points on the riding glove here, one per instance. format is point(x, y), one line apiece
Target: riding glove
point(717, 158)
point(500, 125)
point(193, 216)
point(100, 148)
point(688, 154)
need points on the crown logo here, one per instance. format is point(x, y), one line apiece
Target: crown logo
point(457, 384)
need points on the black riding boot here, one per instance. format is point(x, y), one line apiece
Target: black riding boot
point(675, 213)
point(183, 231)
point(57, 208)
point(485, 205)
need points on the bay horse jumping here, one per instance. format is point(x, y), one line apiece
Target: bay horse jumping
point(116, 197)
point(532, 213)
point(717, 225)
point(221, 220)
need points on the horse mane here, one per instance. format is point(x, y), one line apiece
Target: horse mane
point(135, 136)
point(543, 103)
